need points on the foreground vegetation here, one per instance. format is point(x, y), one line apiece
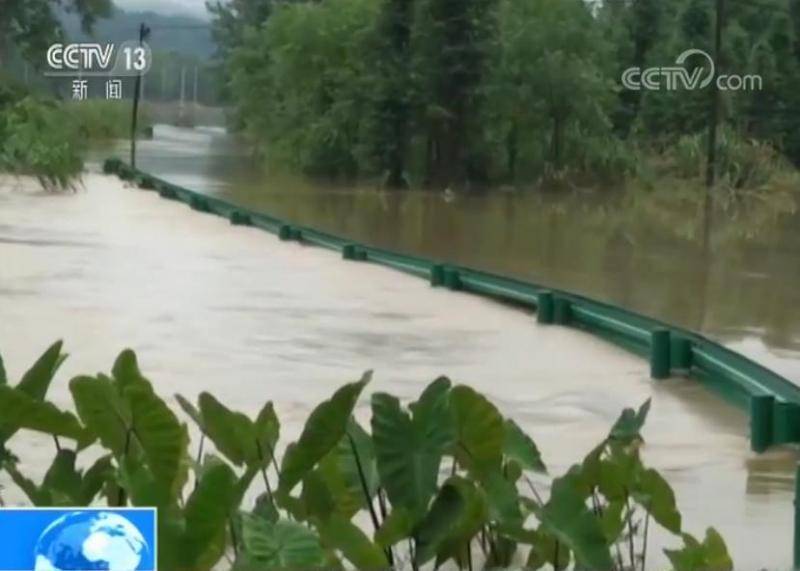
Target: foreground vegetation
point(444, 479)
point(485, 92)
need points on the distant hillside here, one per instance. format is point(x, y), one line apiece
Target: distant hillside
point(185, 35)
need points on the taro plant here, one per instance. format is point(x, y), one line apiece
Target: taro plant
point(445, 480)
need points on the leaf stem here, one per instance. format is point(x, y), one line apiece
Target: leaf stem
point(121, 499)
point(363, 479)
point(533, 489)
point(631, 546)
point(234, 539)
point(272, 457)
point(644, 545)
point(264, 471)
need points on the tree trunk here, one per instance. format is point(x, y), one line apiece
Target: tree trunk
point(557, 141)
point(512, 150)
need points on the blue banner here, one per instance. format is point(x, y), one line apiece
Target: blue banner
point(71, 539)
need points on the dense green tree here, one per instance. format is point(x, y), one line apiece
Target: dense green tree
point(464, 93)
point(394, 101)
point(30, 26)
point(453, 49)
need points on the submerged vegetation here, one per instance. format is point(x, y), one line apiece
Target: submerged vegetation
point(492, 92)
point(48, 138)
point(445, 479)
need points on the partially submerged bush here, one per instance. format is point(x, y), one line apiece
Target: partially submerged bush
point(103, 120)
point(39, 138)
point(445, 479)
point(742, 163)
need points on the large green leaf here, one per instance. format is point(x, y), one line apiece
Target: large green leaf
point(282, 545)
point(141, 487)
point(317, 498)
point(710, 555)
point(628, 426)
point(103, 411)
point(28, 486)
point(95, 478)
point(502, 496)
point(522, 448)
point(207, 512)
point(126, 371)
point(62, 481)
point(567, 518)
point(444, 514)
point(398, 525)
point(471, 520)
point(231, 432)
point(19, 410)
point(37, 379)
point(267, 430)
point(480, 429)
point(323, 430)
point(407, 458)
point(34, 384)
point(341, 534)
point(162, 437)
point(547, 550)
point(191, 411)
point(656, 496)
point(62, 484)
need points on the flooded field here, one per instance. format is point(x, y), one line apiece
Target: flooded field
point(234, 311)
point(642, 250)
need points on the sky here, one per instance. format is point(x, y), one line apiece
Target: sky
point(169, 7)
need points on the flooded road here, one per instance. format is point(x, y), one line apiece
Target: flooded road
point(234, 311)
point(642, 250)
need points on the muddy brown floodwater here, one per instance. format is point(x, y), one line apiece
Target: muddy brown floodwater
point(234, 311)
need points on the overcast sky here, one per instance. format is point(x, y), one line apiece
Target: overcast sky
point(192, 7)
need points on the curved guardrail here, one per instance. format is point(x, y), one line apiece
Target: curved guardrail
point(773, 402)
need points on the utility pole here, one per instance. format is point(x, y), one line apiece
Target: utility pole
point(144, 31)
point(195, 87)
point(182, 104)
point(711, 163)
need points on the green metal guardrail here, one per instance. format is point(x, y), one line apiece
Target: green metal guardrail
point(772, 401)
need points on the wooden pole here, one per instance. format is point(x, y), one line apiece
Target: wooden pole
point(711, 163)
point(144, 31)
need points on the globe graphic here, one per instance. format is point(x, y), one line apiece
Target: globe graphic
point(90, 540)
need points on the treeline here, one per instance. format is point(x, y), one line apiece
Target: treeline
point(469, 93)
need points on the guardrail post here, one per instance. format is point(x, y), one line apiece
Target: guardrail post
point(797, 518)
point(761, 424)
point(544, 307)
point(562, 311)
point(437, 275)
point(681, 354)
point(452, 280)
point(350, 252)
point(240, 218)
point(200, 204)
point(168, 193)
point(285, 232)
point(146, 183)
point(659, 354)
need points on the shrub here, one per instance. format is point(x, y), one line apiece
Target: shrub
point(742, 163)
point(39, 138)
point(443, 479)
